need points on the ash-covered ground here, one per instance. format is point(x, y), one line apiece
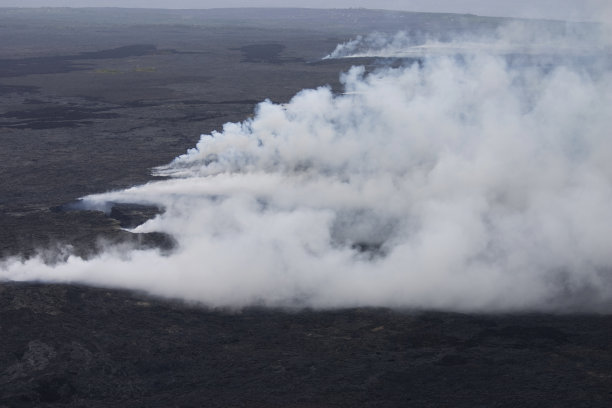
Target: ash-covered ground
point(90, 101)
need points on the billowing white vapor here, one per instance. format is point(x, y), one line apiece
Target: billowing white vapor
point(457, 183)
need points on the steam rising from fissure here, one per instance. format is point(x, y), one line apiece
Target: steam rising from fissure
point(459, 183)
point(525, 38)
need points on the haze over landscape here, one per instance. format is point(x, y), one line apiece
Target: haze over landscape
point(550, 9)
point(464, 181)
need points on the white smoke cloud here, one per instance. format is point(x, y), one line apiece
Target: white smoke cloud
point(517, 37)
point(459, 183)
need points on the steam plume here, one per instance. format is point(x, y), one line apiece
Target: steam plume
point(519, 37)
point(459, 183)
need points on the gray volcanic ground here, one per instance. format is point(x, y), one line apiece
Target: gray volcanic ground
point(349, 160)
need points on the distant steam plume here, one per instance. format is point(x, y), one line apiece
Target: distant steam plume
point(462, 183)
point(520, 37)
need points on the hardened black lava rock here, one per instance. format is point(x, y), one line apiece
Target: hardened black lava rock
point(133, 215)
point(83, 347)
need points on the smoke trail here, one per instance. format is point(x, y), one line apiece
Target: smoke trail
point(521, 37)
point(459, 183)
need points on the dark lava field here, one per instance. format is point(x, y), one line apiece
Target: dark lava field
point(90, 101)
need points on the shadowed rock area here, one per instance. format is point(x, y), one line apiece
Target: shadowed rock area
point(77, 346)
